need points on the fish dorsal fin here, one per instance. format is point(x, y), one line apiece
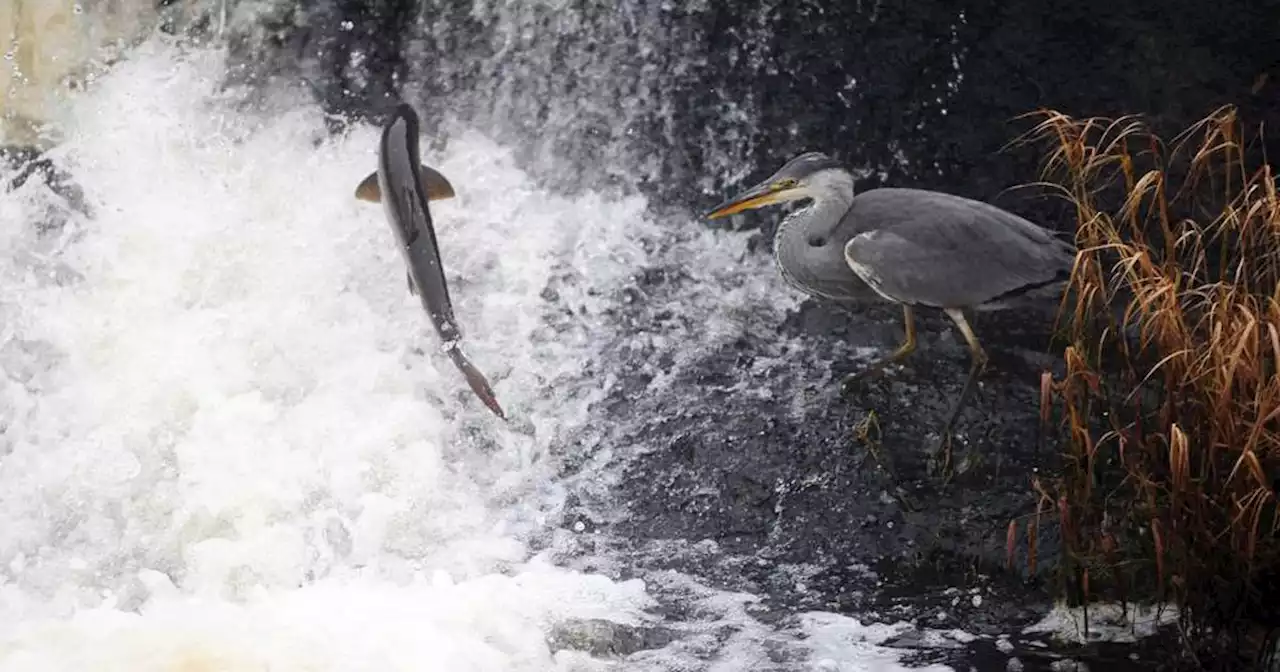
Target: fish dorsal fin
point(368, 189)
point(436, 185)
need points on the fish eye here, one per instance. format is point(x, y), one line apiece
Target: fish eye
point(817, 241)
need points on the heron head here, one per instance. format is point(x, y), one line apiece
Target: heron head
point(800, 178)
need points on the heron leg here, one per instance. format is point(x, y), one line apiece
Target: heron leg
point(979, 362)
point(908, 346)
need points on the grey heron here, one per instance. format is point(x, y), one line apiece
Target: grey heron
point(913, 247)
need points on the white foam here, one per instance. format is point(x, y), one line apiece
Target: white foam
point(843, 644)
point(493, 623)
point(1105, 622)
point(229, 399)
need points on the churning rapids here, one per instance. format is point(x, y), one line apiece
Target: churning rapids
point(228, 440)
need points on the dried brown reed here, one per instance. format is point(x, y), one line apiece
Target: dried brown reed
point(1170, 397)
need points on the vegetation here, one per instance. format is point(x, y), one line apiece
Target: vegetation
point(1170, 400)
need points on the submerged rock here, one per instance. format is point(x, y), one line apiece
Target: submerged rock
point(61, 199)
point(599, 637)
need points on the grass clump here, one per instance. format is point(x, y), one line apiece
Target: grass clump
point(1170, 400)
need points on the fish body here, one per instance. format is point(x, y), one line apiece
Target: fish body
point(404, 187)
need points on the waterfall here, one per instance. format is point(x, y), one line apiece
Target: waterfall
point(227, 439)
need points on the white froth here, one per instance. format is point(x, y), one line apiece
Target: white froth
point(229, 400)
point(842, 644)
point(493, 623)
point(1105, 622)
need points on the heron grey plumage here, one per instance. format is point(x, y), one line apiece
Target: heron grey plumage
point(913, 247)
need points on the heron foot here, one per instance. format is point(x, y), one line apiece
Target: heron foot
point(908, 346)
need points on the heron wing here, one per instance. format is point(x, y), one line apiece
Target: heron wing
point(936, 249)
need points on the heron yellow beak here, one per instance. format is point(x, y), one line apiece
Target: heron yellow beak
point(758, 197)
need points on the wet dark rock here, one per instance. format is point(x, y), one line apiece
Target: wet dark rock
point(604, 638)
point(31, 168)
point(785, 472)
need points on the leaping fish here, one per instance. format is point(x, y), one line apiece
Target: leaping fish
point(404, 186)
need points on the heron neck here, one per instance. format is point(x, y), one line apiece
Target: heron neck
point(826, 208)
point(808, 268)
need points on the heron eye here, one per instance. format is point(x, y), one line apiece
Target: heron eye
point(786, 183)
point(817, 241)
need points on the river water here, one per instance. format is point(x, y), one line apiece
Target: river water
point(228, 440)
